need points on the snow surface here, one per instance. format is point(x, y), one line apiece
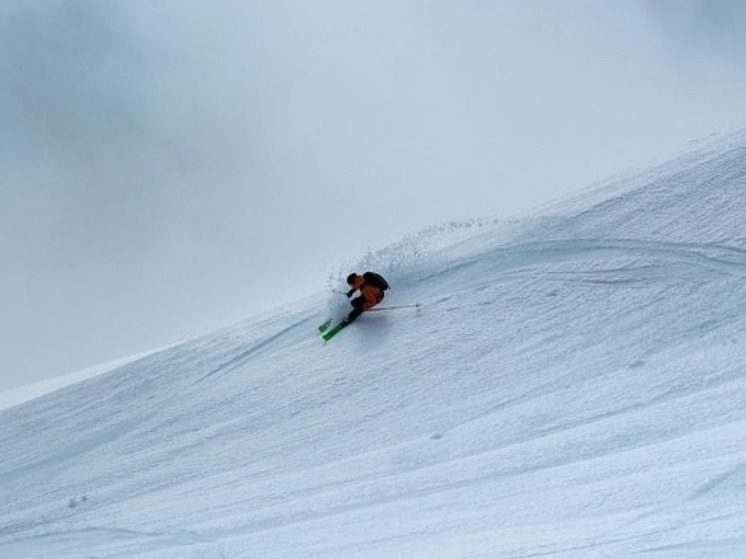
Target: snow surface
point(573, 387)
point(22, 394)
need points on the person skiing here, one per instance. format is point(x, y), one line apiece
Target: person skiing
point(371, 286)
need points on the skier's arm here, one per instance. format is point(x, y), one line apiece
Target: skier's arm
point(356, 286)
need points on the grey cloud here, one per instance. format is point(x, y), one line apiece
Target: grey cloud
point(76, 117)
point(705, 31)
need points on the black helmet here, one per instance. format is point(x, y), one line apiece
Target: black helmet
point(351, 279)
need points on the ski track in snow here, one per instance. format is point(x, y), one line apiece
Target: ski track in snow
point(574, 386)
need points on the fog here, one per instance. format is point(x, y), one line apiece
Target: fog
point(170, 167)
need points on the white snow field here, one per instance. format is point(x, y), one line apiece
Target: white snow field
point(574, 386)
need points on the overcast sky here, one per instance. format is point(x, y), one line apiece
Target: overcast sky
point(169, 167)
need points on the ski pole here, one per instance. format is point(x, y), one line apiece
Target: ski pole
point(395, 307)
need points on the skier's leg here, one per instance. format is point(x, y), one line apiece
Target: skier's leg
point(354, 313)
point(358, 303)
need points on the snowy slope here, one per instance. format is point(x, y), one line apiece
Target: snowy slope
point(22, 394)
point(574, 387)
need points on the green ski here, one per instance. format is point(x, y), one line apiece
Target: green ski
point(323, 327)
point(329, 334)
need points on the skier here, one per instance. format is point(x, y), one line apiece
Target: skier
point(371, 287)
